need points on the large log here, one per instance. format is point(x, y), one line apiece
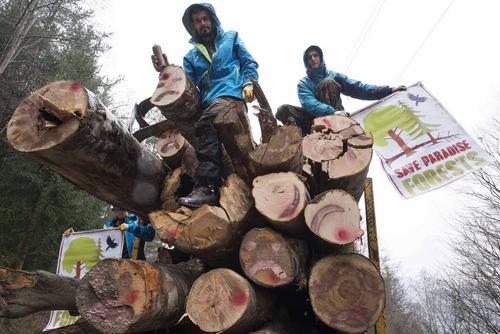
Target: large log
point(347, 292)
point(130, 296)
point(281, 199)
point(23, 293)
point(66, 128)
point(222, 300)
point(338, 155)
point(210, 233)
point(282, 152)
point(334, 217)
point(179, 101)
point(271, 261)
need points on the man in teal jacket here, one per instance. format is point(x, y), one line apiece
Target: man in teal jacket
point(136, 234)
point(222, 69)
point(319, 92)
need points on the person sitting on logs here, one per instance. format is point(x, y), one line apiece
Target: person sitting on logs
point(222, 68)
point(136, 233)
point(319, 92)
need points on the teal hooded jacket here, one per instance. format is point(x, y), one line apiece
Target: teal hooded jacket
point(227, 71)
point(306, 87)
point(135, 230)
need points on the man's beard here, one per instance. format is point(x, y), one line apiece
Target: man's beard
point(206, 33)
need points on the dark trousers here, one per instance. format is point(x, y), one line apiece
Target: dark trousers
point(327, 91)
point(209, 151)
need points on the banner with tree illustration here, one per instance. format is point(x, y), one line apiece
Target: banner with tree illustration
point(421, 146)
point(78, 253)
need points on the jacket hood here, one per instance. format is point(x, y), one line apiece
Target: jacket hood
point(188, 22)
point(321, 70)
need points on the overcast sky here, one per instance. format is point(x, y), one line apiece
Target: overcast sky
point(375, 41)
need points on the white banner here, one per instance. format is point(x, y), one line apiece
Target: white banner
point(421, 146)
point(78, 253)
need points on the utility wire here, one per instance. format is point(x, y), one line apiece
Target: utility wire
point(376, 10)
point(424, 41)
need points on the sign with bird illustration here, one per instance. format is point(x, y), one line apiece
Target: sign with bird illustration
point(421, 146)
point(78, 253)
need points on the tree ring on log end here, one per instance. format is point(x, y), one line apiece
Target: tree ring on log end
point(48, 116)
point(218, 300)
point(171, 86)
point(118, 287)
point(347, 292)
point(334, 216)
point(266, 258)
point(279, 196)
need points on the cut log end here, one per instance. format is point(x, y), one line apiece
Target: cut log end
point(347, 292)
point(218, 300)
point(171, 86)
point(267, 259)
point(334, 217)
point(321, 147)
point(281, 198)
point(113, 287)
point(170, 143)
point(283, 152)
point(48, 116)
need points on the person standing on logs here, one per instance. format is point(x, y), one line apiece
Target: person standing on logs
point(319, 92)
point(136, 233)
point(222, 68)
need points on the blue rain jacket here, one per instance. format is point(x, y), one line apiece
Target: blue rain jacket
point(306, 88)
point(227, 71)
point(135, 230)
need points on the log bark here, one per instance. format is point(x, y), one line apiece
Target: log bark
point(233, 128)
point(222, 300)
point(334, 217)
point(282, 153)
point(271, 260)
point(211, 233)
point(179, 101)
point(281, 198)
point(130, 296)
point(23, 293)
point(338, 155)
point(347, 292)
point(267, 121)
point(66, 128)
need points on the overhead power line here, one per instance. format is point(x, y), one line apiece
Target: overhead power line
point(371, 20)
point(424, 41)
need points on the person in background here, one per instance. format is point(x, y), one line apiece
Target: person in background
point(136, 233)
point(319, 92)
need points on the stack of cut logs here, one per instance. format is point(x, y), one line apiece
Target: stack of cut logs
point(276, 256)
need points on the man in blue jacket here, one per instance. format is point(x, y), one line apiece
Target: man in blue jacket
point(136, 234)
point(319, 92)
point(221, 67)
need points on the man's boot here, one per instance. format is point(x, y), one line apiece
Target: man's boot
point(199, 196)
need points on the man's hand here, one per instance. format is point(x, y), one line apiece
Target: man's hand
point(398, 88)
point(123, 227)
point(248, 95)
point(159, 66)
point(68, 232)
